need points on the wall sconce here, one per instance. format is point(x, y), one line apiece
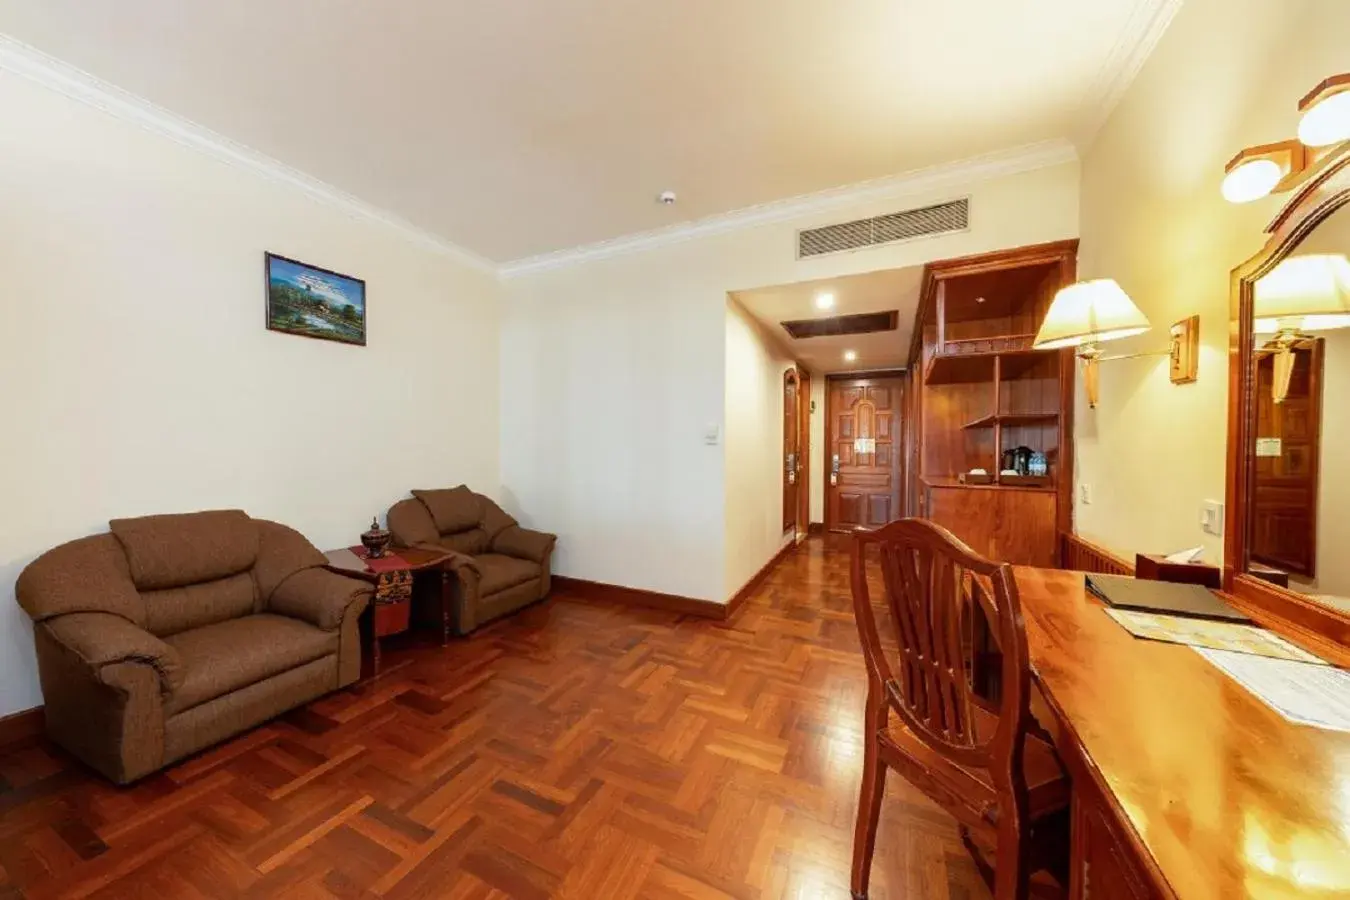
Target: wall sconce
point(1302, 294)
point(1089, 313)
point(1275, 168)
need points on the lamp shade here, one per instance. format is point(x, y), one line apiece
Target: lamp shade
point(1304, 293)
point(1088, 312)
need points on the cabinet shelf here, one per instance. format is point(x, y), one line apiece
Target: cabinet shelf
point(940, 482)
point(963, 368)
point(1012, 419)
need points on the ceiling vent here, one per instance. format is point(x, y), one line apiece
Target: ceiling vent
point(887, 229)
point(835, 326)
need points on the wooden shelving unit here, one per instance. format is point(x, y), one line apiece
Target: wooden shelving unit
point(981, 390)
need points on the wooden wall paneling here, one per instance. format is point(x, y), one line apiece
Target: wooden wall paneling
point(1009, 524)
point(804, 449)
point(1081, 555)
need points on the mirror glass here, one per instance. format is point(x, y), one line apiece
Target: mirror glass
point(1298, 528)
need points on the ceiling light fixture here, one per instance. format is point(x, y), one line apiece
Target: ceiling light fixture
point(667, 198)
point(850, 356)
point(825, 301)
point(1276, 168)
point(1260, 171)
point(1326, 113)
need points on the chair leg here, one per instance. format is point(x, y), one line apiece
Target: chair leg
point(981, 862)
point(869, 803)
point(1012, 876)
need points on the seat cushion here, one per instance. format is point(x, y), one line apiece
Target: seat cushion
point(502, 572)
point(1047, 783)
point(227, 656)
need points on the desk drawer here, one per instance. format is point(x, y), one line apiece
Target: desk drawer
point(1103, 863)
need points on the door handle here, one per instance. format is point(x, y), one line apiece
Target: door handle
point(792, 468)
point(834, 470)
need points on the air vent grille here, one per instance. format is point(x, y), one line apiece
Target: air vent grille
point(887, 229)
point(861, 323)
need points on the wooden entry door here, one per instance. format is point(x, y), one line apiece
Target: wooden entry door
point(1288, 458)
point(863, 461)
point(792, 457)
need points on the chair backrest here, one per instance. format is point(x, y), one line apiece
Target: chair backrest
point(455, 518)
point(934, 588)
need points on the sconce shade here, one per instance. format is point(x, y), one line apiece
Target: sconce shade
point(1089, 312)
point(1304, 293)
point(1252, 180)
point(1326, 113)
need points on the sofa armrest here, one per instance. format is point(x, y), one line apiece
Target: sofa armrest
point(523, 543)
point(322, 598)
point(101, 640)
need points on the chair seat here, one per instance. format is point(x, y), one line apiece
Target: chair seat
point(502, 572)
point(1048, 787)
point(230, 655)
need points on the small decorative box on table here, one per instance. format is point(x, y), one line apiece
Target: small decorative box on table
point(393, 575)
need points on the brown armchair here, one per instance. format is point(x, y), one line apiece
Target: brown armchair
point(500, 567)
point(172, 633)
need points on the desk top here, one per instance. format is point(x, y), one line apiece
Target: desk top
point(1228, 799)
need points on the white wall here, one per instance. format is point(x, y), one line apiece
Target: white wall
point(1227, 75)
point(752, 447)
point(139, 377)
point(613, 369)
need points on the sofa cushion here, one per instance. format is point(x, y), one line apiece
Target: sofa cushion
point(453, 509)
point(174, 550)
point(502, 572)
point(182, 608)
point(227, 656)
point(495, 519)
point(470, 542)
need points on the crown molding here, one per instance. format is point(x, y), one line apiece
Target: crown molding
point(32, 64)
point(933, 178)
point(1138, 40)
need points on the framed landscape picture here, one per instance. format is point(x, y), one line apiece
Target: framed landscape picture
point(313, 302)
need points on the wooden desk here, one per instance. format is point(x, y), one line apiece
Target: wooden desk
point(1185, 786)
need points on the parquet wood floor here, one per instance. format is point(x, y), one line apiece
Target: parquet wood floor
point(577, 750)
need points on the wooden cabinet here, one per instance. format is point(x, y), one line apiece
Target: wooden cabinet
point(981, 393)
point(1009, 524)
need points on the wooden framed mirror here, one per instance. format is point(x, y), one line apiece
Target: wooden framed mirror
point(1287, 543)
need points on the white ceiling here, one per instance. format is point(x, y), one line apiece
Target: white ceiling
point(517, 128)
point(896, 289)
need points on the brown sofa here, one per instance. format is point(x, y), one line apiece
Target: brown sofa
point(501, 567)
point(172, 633)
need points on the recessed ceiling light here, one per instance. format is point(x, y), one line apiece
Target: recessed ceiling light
point(979, 299)
point(850, 356)
point(825, 301)
point(667, 198)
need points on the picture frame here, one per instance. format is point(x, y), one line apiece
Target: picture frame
point(314, 302)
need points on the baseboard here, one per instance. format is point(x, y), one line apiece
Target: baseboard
point(815, 528)
point(21, 726)
point(627, 596)
point(757, 579)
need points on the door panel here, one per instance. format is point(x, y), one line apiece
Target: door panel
point(791, 448)
point(862, 465)
point(1284, 499)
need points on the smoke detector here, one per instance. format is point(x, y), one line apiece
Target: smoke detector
point(667, 198)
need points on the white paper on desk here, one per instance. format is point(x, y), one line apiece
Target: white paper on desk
point(1300, 692)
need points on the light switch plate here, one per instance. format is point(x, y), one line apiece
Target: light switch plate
point(712, 433)
point(1211, 517)
point(1085, 494)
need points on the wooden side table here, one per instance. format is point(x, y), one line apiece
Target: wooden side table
point(393, 576)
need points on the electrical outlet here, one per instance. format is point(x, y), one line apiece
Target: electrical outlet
point(1085, 494)
point(1211, 517)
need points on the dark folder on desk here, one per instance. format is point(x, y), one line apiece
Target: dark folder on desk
point(1162, 597)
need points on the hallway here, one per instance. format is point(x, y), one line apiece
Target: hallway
point(575, 750)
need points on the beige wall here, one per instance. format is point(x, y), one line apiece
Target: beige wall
point(820, 462)
point(752, 447)
point(613, 370)
point(1228, 74)
point(139, 377)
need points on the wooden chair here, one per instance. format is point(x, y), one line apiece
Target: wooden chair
point(1004, 785)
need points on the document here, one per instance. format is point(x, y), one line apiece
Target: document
point(1318, 696)
point(1209, 633)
